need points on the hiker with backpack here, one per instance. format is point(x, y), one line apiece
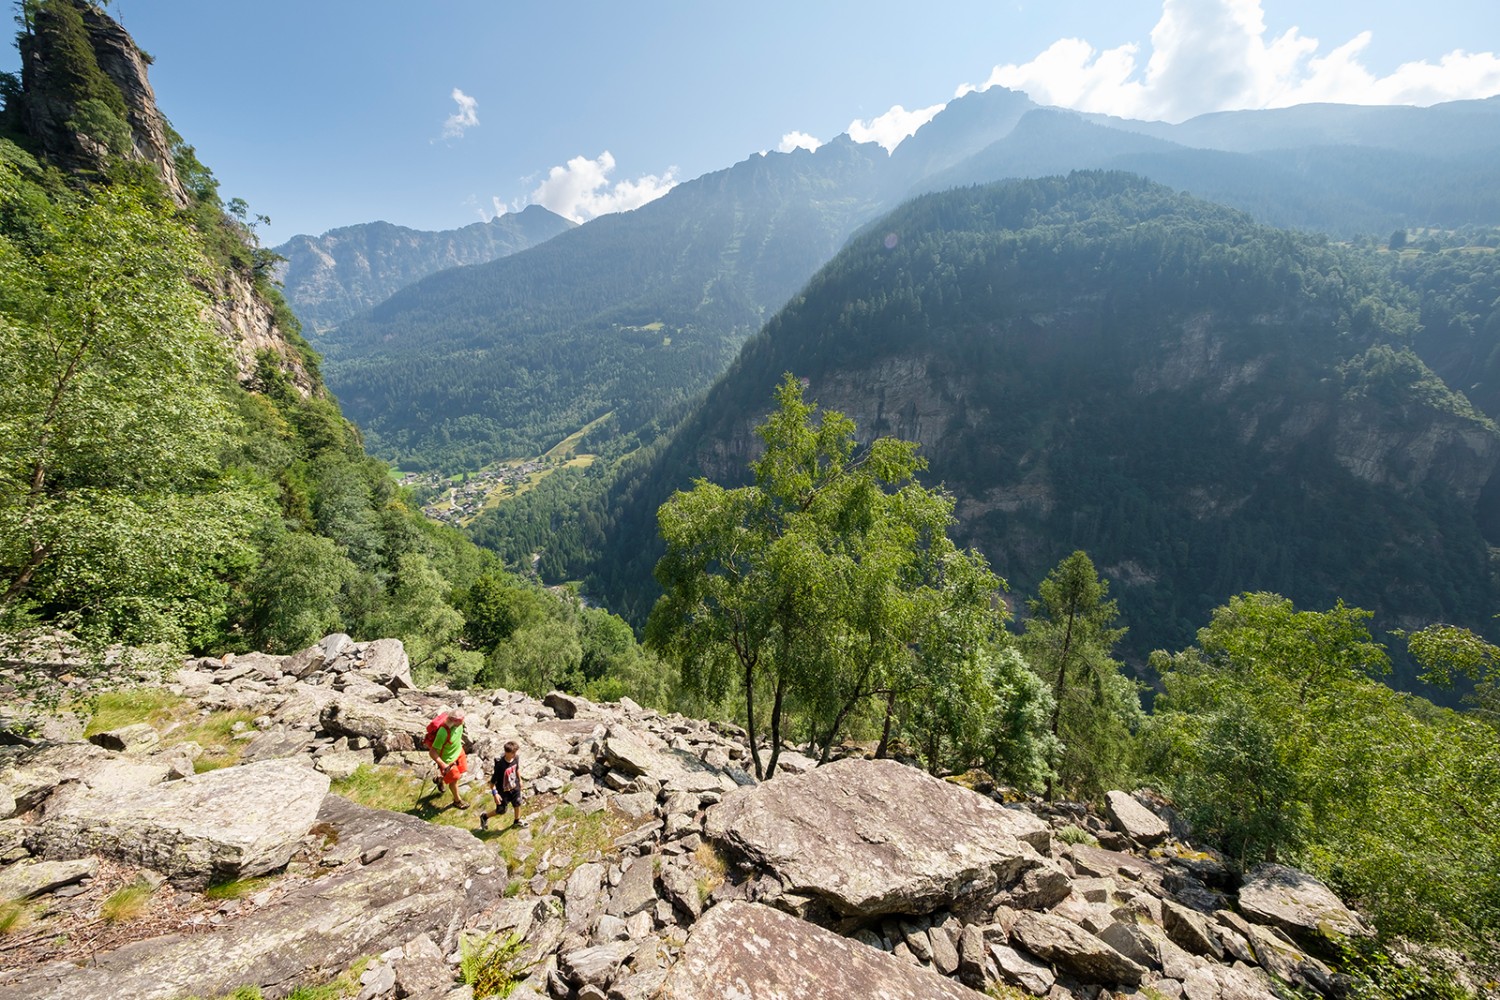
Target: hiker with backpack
point(444, 741)
point(505, 786)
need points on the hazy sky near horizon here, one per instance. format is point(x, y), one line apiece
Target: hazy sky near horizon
point(324, 113)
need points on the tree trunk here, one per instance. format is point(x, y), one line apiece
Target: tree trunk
point(1057, 693)
point(776, 726)
point(760, 774)
point(885, 731)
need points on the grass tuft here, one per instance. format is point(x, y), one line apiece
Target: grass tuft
point(127, 902)
point(15, 915)
point(235, 888)
point(1072, 834)
point(715, 869)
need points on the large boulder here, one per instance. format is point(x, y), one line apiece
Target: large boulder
point(1298, 904)
point(873, 837)
point(747, 950)
point(419, 879)
point(49, 775)
point(1074, 950)
point(676, 770)
point(1134, 820)
point(227, 824)
point(386, 663)
point(389, 725)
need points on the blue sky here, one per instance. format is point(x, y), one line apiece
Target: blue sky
point(437, 113)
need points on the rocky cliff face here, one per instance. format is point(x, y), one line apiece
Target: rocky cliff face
point(56, 77)
point(50, 111)
point(652, 865)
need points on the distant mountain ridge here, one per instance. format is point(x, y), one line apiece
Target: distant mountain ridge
point(630, 314)
point(345, 271)
point(512, 356)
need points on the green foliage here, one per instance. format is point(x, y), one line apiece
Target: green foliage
point(828, 583)
point(1277, 738)
point(114, 514)
point(1374, 975)
point(1016, 744)
point(298, 593)
point(1095, 709)
point(488, 963)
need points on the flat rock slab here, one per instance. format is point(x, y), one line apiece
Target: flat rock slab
point(1298, 904)
point(745, 951)
point(27, 879)
point(428, 879)
point(873, 837)
point(1134, 820)
point(232, 823)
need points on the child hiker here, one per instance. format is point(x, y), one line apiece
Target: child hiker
point(445, 745)
point(505, 786)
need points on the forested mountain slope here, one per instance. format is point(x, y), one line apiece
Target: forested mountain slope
point(346, 271)
point(505, 359)
point(1204, 404)
point(629, 314)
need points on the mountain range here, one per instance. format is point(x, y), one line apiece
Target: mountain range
point(348, 270)
point(504, 359)
point(1205, 403)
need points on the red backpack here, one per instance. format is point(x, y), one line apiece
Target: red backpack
point(432, 729)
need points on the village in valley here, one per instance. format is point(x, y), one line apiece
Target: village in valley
point(457, 499)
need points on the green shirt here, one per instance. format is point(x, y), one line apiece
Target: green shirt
point(449, 742)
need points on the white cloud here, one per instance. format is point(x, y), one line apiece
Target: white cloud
point(464, 118)
point(798, 140)
point(1214, 55)
point(582, 190)
point(892, 127)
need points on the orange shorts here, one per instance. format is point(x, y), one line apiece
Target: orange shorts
point(455, 770)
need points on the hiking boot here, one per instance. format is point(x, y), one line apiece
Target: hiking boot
point(522, 822)
point(484, 821)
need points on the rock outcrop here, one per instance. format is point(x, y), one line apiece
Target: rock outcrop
point(222, 825)
point(745, 950)
point(921, 842)
point(62, 119)
point(654, 865)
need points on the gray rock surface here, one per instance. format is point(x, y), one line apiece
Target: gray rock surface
point(427, 880)
point(920, 842)
point(1073, 949)
point(230, 823)
point(1020, 969)
point(34, 878)
point(743, 950)
point(1134, 820)
point(136, 738)
point(1298, 904)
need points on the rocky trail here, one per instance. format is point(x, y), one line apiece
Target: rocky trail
point(652, 866)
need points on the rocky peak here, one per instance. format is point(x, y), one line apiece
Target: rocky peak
point(86, 103)
point(57, 81)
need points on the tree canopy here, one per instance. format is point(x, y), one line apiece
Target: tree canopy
point(829, 581)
